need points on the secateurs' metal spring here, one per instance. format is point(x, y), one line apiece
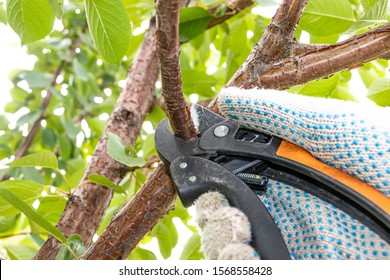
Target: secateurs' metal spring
point(254, 181)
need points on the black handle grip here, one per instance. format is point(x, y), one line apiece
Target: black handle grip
point(194, 176)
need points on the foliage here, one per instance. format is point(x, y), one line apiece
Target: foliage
point(82, 66)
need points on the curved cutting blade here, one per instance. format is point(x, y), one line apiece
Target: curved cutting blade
point(204, 118)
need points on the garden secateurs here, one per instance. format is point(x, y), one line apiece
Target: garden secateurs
point(238, 163)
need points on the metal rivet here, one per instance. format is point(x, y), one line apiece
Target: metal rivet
point(183, 165)
point(192, 179)
point(221, 131)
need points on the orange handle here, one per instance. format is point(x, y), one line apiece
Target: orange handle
point(300, 155)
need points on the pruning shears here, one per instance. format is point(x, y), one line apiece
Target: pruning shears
point(238, 163)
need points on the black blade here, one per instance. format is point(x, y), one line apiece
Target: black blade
point(205, 118)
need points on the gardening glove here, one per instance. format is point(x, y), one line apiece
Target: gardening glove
point(225, 230)
point(349, 136)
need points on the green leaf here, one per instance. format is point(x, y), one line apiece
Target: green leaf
point(142, 254)
point(368, 4)
point(110, 28)
point(49, 138)
point(192, 249)
point(71, 129)
point(43, 159)
point(326, 18)
point(26, 190)
point(77, 246)
point(3, 122)
point(117, 150)
point(372, 71)
point(7, 223)
point(32, 174)
point(211, 2)
point(164, 238)
point(29, 118)
point(20, 252)
point(60, 44)
point(377, 15)
point(36, 79)
point(66, 147)
point(320, 88)
point(193, 21)
point(198, 82)
point(56, 6)
point(104, 181)
point(32, 20)
point(3, 14)
point(31, 214)
point(51, 207)
point(19, 94)
point(80, 70)
point(379, 92)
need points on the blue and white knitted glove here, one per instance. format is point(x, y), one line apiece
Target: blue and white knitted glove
point(350, 136)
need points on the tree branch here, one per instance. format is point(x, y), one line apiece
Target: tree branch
point(277, 41)
point(168, 44)
point(318, 62)
point(135, 219)
point(234, 8)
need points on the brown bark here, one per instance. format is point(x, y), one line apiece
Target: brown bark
point(318, 63)
point(169, 56)
point(129, 225)
point(277, 40)
point(233, 9)
point(85, 209)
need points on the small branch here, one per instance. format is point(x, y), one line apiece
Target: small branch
point(167, 35)
point(148, 165)
point(233, 9)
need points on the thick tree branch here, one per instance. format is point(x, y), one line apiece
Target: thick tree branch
point(319, 62)
point(130, 225)
point(85, 209)
point(277, 41)
point(169, 56)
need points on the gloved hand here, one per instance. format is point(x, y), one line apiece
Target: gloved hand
point(350, 136)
